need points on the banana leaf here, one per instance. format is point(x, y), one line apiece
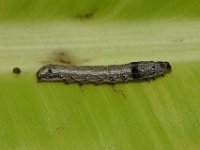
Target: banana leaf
point(155, 114)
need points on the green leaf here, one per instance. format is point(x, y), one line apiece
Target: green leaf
point(155, 114)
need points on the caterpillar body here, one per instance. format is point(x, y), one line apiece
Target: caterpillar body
point(103, 74)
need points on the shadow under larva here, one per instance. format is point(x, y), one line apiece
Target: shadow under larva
point(110, 74)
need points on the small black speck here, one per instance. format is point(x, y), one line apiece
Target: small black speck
point(16, 70)
point(49, 71)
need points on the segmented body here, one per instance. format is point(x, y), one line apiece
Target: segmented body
point(103, 74)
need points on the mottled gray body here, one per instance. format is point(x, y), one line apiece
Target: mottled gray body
point(103, 74)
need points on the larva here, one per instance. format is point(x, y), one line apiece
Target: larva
point(103, 74)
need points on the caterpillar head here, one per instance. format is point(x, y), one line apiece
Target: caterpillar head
point(49, 72)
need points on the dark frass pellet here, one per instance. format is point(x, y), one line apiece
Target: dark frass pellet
point(103, 74)
point(16, 70)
